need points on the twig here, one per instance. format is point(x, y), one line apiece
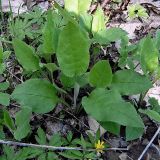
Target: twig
point(105, 3)
point(85, 125)
point(77, 119)
point(156, 148)
point(14, 75)
point(55, 148)
point(149, 144)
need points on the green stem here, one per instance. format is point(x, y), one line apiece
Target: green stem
point(51, 73)
point(141, 98)
point(76, 93)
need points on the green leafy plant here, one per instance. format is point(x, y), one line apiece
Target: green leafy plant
point(57, 140)
point(154, 111)
point(4, 55)
point(64, 63)
point(73, 60)
point(27, 25)
point(22, 154)
point(137, 10)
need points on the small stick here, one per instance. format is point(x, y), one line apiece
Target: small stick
point(14, 75)
point(105, 3)
point(53, 147)
point(149, 144)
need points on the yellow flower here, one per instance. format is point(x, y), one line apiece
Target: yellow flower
point(99, 146)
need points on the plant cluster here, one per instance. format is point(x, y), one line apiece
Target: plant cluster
point(57, 141)
point(65, 57)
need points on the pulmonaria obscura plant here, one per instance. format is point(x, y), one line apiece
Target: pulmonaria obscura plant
point(68, 59)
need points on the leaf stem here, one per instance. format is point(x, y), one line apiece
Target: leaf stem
point(76, 93)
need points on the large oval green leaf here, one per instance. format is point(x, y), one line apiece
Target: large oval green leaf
point(129, 82)
point(25, 55)
point(107, 106)
point(101, 74)
point(38, 94)
point(73, 50)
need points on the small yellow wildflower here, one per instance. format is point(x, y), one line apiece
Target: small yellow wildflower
point(99, 146)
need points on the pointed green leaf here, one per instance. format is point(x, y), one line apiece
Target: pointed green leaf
point(51, 155)
point(22, 123)
point(154, 104)
point(101, 74)
point(129, 82)
point(107, 106)
point(8, 121)
point(50, 35)
point(73, 57)
point(27, 153)
point(26, 55)
point(9, 152)
point(4, 99)
point(41, 136)
point(149, 55)
point(56, 140)
point(98, 22)
point(65, 14)
point(38, 94)
point(72, 155)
